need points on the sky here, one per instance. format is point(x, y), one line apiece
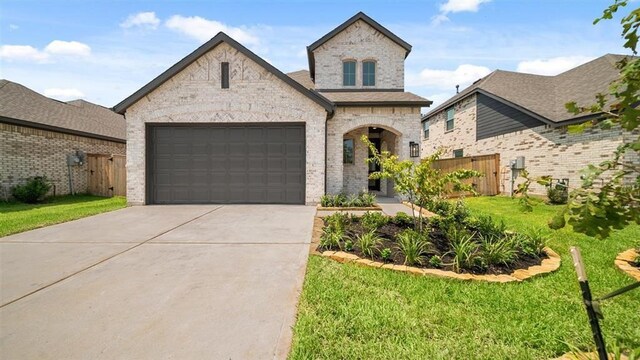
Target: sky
point(103, 51)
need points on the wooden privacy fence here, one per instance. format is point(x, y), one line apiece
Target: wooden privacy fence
point(488, 165)
point(107, 175)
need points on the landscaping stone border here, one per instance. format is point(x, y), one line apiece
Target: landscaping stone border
point(622, 262)
point(335, 208)
point(548, 265)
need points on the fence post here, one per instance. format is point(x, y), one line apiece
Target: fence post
point(588, 304)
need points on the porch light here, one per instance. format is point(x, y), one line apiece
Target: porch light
point(414, 149)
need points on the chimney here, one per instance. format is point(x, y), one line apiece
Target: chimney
point(457, 89)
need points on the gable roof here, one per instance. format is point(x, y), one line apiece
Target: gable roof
point(206, 47)
point(359, 16)
point(544, 97)
point(22, 106)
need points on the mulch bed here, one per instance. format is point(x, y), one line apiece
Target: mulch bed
point(440, 247)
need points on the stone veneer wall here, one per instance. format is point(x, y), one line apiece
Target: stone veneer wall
point(404, 122)
point(547, 150)
point(255, 95)
point(26, 152)
point(359, 42)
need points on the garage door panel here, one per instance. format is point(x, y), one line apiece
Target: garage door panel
point(214, 163)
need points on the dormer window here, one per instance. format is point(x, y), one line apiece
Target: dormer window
point(368, 73)
point(349, 73)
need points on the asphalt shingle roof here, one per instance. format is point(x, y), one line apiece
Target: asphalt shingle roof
point(546, 96)
point(361, 97)
point(21, 103)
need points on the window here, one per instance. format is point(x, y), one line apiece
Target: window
point(425, 129)
point(450, 113)
point(349, 73)
point(368, 73)
point(347, 151)
point(224, 75)
point(458, 153)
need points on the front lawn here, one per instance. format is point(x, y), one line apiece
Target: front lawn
point(352, 312)
point(17, 217)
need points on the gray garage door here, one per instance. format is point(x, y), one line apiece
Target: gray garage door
point(253, 164)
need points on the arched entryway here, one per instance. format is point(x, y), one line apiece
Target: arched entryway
point(356, 170)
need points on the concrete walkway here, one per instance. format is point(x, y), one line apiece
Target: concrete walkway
point(156, 282)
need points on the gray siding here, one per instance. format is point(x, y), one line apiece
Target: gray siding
point(495, 118)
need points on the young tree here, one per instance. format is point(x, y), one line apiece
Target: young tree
point(597, 210)
point(419, 182)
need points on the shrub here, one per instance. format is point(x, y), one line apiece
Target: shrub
point(439, 206)
point(373, 220)
point(532, 243)
point(32, 191)
point(413, 245)
point(435, 261)
point(485, 226)
point(368, 243)
point(558, 194)
point(402, 219)
point(348, 245)
point(498, 251)
point(332, 238)
point(385, 254)
point(367, 199)
point(463, 248)
point(338, 221)
point(342, 200)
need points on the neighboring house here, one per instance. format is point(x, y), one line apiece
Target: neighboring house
point(515, 114)
point(37, 133)
point(224, 126)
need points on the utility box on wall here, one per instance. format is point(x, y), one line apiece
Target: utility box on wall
point(518, 163)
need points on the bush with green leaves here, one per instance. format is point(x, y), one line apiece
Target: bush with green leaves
point(373, 220)
point(464, 249)
point(532, 242)
point(385, 254)
point(348, 245)
point(402, 219)
point(33, 191)
point(332, 238)
point(435, 261)
point(338, 221)
point(414, 245)
point(558, 195)
point(498, 250)
point(368, 243)
point(486, 226)
point(364, 199)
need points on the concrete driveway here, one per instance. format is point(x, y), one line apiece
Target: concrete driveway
point(156, 282)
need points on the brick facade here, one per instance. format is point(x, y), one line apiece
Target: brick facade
point(359, 42)
point(26, 152)
point(353, 122)
point(194, 95)
point(547, 150)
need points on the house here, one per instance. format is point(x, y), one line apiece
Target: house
point(515, 114)
point(224, 126)
point(38, 133)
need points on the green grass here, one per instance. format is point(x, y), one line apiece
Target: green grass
point(17, 217)
point(352, 312)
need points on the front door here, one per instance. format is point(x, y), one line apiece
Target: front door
point(374, 185)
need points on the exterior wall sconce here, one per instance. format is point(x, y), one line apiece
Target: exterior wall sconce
point(414, 149)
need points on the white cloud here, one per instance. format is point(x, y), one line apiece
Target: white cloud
point(143, 19)
point(22, 52)
point(454, 6)
point(64, 94)
point(203, 29)
point(72, 48)
point(13, 27)
point(552, 66)
point(463, 75)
